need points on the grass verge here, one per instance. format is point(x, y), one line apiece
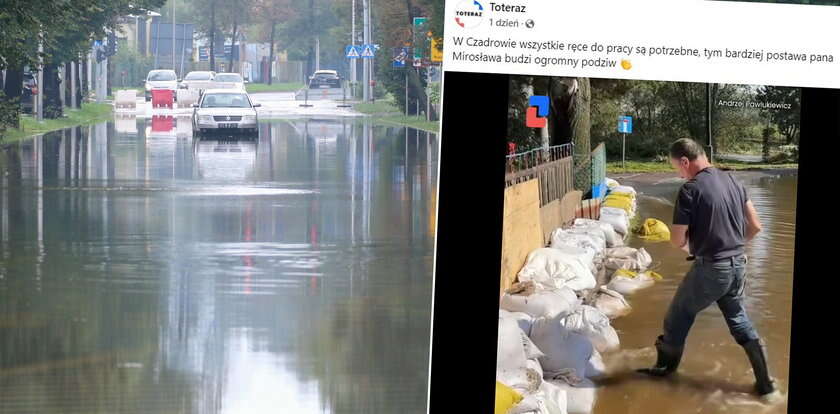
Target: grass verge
point(660, 167)
point(89, 113)
point(274, 87)
point(386, 112)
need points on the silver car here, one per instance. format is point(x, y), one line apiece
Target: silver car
point(198, 80)
point(227, 110)
point(229, 81)
point(161, 79)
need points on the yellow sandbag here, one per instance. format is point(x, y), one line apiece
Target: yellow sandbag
point(632, 275)
point(654, 230)
point(506, 398)
point(622, 194)
point(623, 203)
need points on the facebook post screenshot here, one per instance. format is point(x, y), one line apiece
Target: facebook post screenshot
point(637, 178)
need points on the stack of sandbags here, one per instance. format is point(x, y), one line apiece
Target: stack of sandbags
point(555, 268)
point(587, 239)
point(628, 282)
point(536, 302)
point(514, 349)
point(617, 218)
point(611, 184)
point(628, 258)
point(611, 238)
point(594, 325)
point(611, 303)
point(564, 352)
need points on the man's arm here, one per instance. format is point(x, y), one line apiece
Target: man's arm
point(679, 236)
point(753, 223)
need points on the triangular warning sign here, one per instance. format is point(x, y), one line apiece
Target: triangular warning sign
point(368, 52)
point(352, 52)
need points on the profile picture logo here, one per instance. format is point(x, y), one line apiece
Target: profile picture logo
point(468, 14)
point(535, 115)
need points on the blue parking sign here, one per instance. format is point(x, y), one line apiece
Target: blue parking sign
point(625, 125)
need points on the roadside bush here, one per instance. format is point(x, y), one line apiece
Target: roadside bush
point(9, 114)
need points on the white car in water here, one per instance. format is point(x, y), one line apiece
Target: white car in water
point(161, 79)
point(225, 110)
point(229, 81)
point(198, 80)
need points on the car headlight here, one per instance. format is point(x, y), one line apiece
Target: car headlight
point(148, 87)
point(205, 118)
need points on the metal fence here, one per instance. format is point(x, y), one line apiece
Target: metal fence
point(590, 169)
point(552, 167)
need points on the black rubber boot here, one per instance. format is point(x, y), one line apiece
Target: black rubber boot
point(757, 353)
point(667, 359)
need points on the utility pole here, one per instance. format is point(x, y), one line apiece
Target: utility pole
point(366, 62)
point(353, 43)
point(317, 53)
point(709, 121)
point(40, 101)
point(73, 65)
point(173, 35)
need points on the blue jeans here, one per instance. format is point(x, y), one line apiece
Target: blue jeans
point(708, 282)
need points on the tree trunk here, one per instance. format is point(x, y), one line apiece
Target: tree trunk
point(213, 36)
point(580, 117)
point(80, 88)
point(271, 51)
point(232, 45)
point(11, 101)
point(52, 93)
point(765, 144)
point(310, 56)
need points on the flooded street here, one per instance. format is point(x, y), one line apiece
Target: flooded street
point(145, 271)
point(715, 374)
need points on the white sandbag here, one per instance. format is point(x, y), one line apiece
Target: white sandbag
point(586, 257)
point(617, 218)
point(534, 364)
point(510, 352)
point(532, 351)
point(629, 258)
point(522, 319)
point(586, 241)
point(610, 303)
point(511, 362)
point(610, 236)
point(630, 285)
point(580, 398)
point(626, 189)
point(549, 303)
point(611, 183)
point(595, 325)
point(595, 367)
point(564, 350)
point(552, 268)
point(553, 397)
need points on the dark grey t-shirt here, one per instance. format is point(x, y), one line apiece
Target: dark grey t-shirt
point(713, 206)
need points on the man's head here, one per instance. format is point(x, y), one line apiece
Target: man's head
point(688, 157)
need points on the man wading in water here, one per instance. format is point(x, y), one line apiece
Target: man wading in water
point(713, 219)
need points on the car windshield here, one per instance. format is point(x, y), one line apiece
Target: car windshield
point(162, 76)
point(228, 78)
point(197, 76)
point(226, 100)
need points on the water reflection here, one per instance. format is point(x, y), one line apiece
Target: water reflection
point(143, 270)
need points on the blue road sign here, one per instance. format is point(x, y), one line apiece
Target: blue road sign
point(400, 56)
point(625, 124)
point(352, 52)
point(367, 51)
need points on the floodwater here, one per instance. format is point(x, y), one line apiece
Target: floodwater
point(715, 375)
point(144, 271)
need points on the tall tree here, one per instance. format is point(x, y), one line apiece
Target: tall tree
point(273, 13)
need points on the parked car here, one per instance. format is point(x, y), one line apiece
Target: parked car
point(199, 80)
point(27, 94)
point(228, 110)
point(324, 79)
point(229, 81)
point(160, 79)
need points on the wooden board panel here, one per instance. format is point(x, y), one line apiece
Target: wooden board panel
point(522, 232)
point(550, 219)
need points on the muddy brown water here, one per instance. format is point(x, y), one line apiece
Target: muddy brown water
point(144, 271)
point(715, 375)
